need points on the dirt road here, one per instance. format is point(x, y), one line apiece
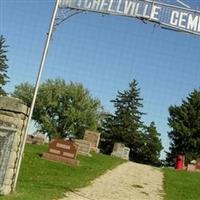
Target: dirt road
point(129, 181)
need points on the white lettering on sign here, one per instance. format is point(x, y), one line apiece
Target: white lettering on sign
point(63, 146)
point(193, 22)
point(69, 155)
point(182, 20)
point(185, 20)
point(145, 11)
point(155, 12)
point(104, 4)
point(110, 6)
point(54, 151)
point(171, 16)
point(174, 18)
point(128, 7)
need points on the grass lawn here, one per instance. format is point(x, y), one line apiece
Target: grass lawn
point(181, 185)
point(40, 179)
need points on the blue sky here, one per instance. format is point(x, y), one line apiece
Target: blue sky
point(104, 53)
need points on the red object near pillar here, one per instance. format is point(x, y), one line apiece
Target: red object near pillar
point(180, 159)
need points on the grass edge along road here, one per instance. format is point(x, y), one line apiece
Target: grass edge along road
point(41, 179)
point(181, 185)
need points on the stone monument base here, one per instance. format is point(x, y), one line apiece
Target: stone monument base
point(59, 158)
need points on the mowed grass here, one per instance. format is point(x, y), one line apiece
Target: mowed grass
point(41, 179)
point(181, 185)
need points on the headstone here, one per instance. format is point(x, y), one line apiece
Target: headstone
point(198, 164)
point(64, 151)
point(84, 147)
point(118, 146)
point(13, 119)
point(42, 136)
point(194, 166)
point(191, 167)
point(125, 153)
point(93, 138)
point(119, 150)
point(32, 139)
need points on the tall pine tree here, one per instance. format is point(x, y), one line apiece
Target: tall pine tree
point(3, 65)
point(125, 125)
point(184, 121)
point(153, 145)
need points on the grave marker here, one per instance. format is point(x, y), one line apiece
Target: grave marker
point(84, 147)
point(31, 139)
point(64, 151)
point(119, 150)
point(198, 164)
point(191, 167)
point(94, 138)
point(194, 166)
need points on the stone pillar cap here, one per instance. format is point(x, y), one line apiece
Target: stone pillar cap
point(13, 104)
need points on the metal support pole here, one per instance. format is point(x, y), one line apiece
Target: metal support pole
point(43, 59)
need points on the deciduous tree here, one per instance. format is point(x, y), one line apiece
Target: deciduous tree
point(62, 109)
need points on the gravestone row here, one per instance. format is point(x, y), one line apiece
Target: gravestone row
point(66, 151)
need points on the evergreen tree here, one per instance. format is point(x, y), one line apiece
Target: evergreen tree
point(125, 125)
point(153, 145)
point(3, 65)
point(184, 121)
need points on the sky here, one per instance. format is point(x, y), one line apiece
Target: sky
point(104, 53)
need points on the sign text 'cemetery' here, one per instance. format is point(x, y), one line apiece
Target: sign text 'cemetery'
point(171, 16)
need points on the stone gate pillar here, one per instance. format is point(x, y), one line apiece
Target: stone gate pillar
point(13, 121)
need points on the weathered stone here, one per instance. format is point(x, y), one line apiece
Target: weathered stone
point(118, 146)
point(5, 190)
point(93, 138)
point(9, 120)
point(16, 142)
point(198, 164)
point(13, 105)
point(8, 181)
point(12, 159)
point(119, 150)
point(31, 139)
point(13, 116)
point(191, 167)
point(84, 147)
point(62, 159)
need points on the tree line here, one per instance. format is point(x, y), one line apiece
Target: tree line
point(67, 109)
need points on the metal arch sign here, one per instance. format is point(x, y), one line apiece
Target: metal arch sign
point(167, 15)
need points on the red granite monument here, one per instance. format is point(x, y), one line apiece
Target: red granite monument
point(64, 151)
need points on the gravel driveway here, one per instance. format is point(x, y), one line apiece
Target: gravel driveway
point(129, 181)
